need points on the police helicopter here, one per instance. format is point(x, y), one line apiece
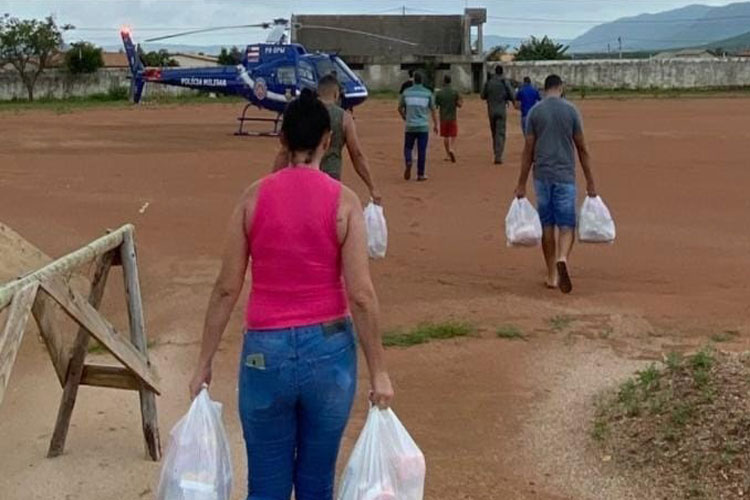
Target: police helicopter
point(269, 75)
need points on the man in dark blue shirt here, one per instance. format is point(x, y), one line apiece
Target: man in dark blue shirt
point(527, 96)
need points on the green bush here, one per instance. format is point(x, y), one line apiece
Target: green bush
point(83, 57)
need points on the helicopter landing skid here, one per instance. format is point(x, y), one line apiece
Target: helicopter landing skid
point(242, 119)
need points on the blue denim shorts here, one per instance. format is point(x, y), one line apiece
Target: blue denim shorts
point(556, 203)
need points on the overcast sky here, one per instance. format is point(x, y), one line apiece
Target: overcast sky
point(100, 20)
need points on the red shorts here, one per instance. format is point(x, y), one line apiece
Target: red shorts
point(449, 128)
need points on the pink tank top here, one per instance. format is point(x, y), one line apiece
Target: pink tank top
point(295, 252)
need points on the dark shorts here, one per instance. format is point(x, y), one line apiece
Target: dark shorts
point(556, 203)
point(449, 128)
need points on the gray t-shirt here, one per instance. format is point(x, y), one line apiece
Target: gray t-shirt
point(554, 122)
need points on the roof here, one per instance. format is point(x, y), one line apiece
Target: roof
point(700, 53)
point(115, 59)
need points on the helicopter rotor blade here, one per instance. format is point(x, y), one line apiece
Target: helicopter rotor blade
point(355, 32)
point(208, 30)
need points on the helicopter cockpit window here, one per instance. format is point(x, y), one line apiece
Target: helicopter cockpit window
point(325, 67)
point(344, 72)
point(286, 75)
point(306, 72)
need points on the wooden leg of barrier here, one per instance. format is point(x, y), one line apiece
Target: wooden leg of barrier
point(75, 366)
point(138, 338)
point(12, 334)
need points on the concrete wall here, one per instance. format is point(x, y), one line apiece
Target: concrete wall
point(389, 77)
point(55, 83)
point(434, 35)
point(637, 73)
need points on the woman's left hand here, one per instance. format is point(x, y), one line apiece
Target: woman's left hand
point(202, 376)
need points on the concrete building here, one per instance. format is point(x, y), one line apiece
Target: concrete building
point(375, 48)
point(685, 53)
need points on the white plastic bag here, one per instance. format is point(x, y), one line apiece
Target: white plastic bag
point(198, 463)
point(377, 231)
point(595, 224)
point(522, 225)
point(386, 463)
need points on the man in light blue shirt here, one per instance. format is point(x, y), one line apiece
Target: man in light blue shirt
point(415, 106)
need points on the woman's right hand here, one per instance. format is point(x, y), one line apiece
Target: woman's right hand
point(381, 393)
point(202, 377)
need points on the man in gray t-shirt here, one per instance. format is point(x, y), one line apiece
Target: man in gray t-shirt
point(553, 136)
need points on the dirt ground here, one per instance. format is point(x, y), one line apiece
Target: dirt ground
point(497, 419)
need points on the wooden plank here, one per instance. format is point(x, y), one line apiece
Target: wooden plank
point(78, 355)
point(89, 318)
point(114, 377)
point(50, 330)
point(149, 418)
point(12, 334)
point(64, 264)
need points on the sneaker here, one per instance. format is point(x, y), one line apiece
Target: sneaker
point(407, 173)
point(422, 178)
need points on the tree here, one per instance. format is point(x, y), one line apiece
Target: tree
point(497, 52)
point(156, 59)
point(83, 57)
point(543, 49)
point(231, 57)
point(28, 45)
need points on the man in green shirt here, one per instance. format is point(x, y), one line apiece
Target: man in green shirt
point(498, 94)
point(448, 100)
point(415, 106)
point(343, 133)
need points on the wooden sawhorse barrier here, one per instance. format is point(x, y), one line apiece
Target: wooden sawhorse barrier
point(37, 293)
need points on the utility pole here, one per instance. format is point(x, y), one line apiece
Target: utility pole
point(403, 10)
point(619, 42)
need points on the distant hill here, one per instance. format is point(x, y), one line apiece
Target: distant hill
point(734, 43)
point(693, 25)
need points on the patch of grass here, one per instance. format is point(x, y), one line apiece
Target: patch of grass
point(511, 332)
point(681, 414)
point(628, 398)
point(600, 430)
point(649, 378)
point(673, 360)
point(425, 332)
point(725, 336)
point(560, 322)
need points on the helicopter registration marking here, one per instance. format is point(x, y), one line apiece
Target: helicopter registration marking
point(205, 82)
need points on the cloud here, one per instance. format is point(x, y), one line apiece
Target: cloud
point(100, 20)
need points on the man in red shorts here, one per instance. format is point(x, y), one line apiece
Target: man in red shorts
point(448, 100)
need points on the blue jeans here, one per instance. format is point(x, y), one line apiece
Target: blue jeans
point(296, 388)
point(556, 203)
point(421, 138)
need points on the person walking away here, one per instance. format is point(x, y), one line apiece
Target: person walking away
point(343, 133)
point(554, 133)
point(415, 106)
point(408, 83)
point(304, 234)
point(448, 100)
point(498, 94)
point(526, 97)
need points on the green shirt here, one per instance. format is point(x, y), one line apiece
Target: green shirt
point(417, 101)
point(331, 162)
point(447, 101)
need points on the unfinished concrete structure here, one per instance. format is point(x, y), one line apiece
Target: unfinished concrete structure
point(439, 44)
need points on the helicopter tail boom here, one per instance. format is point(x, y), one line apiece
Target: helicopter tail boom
point(136, 66)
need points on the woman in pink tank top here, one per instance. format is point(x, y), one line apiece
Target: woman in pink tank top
point(304, 235)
